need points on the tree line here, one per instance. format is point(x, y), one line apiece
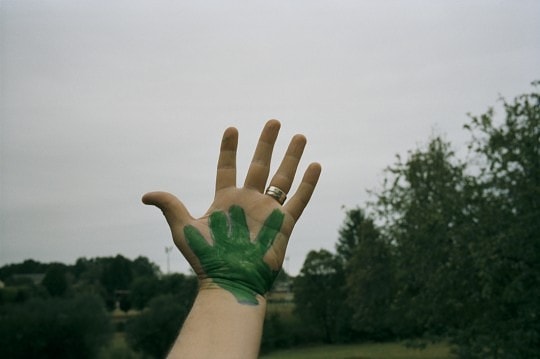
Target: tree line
point(54, 310)
point(447, 249)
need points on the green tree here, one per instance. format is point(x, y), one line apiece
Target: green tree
point(87, 278)
point(124, 302)
point(356, 228)
point(54, 328)
point(55, 280)
point(282, 330)
point(356, 234)
point(422, 211)
point(141, 266)
point(319, 294)
point(506, 252)
point(155, 329)
point(29, 266)
point(142, 290)
point(183, 286)
point(117, 274)
point(371, 288)
point(464, 237)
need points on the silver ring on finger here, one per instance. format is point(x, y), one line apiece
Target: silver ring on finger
point(276, 193)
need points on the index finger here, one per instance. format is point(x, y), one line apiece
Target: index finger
point(226, 168)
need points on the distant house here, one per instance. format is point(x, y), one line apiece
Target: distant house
point(2, 285)
point(283, 286)
point(281, 292)
point(35, 278)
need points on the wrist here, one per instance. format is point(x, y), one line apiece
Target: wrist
point(234, 329)
point(242, 293)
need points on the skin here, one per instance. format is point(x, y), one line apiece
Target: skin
point(237, 247)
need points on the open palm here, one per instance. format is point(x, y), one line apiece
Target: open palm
point(239, 244)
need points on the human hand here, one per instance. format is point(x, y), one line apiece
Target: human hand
point(239, 244)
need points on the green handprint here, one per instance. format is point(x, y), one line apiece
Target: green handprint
point(233, 261)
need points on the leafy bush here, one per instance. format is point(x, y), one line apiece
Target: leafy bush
point(154, 330)
point(54, 328)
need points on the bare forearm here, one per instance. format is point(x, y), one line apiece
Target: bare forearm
point(218, 326)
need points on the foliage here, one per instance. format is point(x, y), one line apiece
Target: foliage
point(118, 349)
point(371, 288)
point(277, 333)
point(21, 293)
point(460, 241)
point(185, 287)
point(506, 251)
point(141, 266)
point(357, 227)
point(109, 280)
point(55, 280)
point(365, 350)
point(319, 293)
point(155, 329)
point(54, 328)
point(106, 276)
point(283, 328)
point(124, 303)
point(144, 288)
point(29, 266)
point(422, 208)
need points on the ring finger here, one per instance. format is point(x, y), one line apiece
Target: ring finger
point(284, 176)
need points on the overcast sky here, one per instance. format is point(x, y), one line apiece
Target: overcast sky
point(102, 101)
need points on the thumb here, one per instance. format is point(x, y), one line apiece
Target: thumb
point(174, 211)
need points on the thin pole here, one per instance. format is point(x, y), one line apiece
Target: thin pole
point(167, 251)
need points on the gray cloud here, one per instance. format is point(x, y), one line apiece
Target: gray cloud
point(104, 101)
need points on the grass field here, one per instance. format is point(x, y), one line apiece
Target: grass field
point(118, 349)
point(364, 351)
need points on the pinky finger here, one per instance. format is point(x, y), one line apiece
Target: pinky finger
point(296, 204)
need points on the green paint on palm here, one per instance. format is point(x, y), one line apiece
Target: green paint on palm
point(233, 261)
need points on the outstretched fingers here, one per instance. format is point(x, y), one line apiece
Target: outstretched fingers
point(296, 204)
point(226, 168)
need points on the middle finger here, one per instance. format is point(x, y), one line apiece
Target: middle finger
point(260, 164)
